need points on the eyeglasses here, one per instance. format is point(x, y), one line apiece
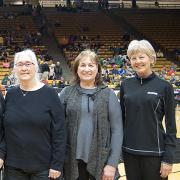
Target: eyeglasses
point(27, 64)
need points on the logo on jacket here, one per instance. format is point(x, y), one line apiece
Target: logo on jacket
point(153, 93)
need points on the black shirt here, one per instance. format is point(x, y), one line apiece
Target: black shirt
point(144, 103)
point(2, 149)
point(34, 129)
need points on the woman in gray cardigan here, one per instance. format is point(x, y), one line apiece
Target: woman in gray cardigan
point(94, 123)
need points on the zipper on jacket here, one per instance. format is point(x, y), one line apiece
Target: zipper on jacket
point(141, 81)
point(157, 128)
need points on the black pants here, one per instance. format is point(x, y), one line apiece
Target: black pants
point(83, 173)
point(142, 167)
point(11, 173)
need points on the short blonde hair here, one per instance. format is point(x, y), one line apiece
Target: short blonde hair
point(142, 46)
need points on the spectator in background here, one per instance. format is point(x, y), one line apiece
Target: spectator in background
point(5, 79)
point(94, 123)
point(33, 125)
point(114, 70)
point(145, 99)
point(170, 72)
point(6, 64)
point(173, 79)
point(58, 71)
point(156, 3)
point(61, 83)
point(45, 71)
point(160, 54)
point(173, 66)
point(54, 84)
point(51, 72)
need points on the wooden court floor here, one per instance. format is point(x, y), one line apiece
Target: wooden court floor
point(175, 175)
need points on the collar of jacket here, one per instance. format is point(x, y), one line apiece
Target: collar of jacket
point(99, 88)
point(151, 76)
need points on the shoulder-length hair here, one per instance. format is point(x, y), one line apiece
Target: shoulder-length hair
point(94, 57)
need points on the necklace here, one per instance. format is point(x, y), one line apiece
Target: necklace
point(24, 93)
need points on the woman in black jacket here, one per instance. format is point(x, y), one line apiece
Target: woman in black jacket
point(145, 100)
point(1, 126)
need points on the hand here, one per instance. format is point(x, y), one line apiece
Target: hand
point(1, 163)
point(108, 172)
point(54, 174)
point(165, 170)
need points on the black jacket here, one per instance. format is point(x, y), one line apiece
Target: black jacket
point(2, 145)
point(144, 103)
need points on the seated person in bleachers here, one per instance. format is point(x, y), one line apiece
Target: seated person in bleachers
point(61, 83)
point(51, 72)
point(156, 3)
point(5, 79)
point(45, 71)
point(160, 54)
point(174, 78)
point(8, 85)
point(122, 71)
point(5, 64)
point(54, 84)
point(173, 66)
point(170, 72)
point(119, 60)
point(115, 70)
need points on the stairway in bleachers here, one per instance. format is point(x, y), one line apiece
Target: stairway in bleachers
point(53, 50)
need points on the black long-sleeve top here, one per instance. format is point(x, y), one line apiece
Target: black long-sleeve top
point(34, 129)
point(2, 148)
point(144, 103)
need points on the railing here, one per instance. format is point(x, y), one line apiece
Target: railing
point(170, 4)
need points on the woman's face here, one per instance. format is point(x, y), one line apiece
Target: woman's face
point(25, 68)
point(87, 70)
point(141, 64)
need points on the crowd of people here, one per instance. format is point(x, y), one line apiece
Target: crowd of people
point(85, 132)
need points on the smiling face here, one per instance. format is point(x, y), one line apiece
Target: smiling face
point(25, 69)
point(87, 70)
point(141, 64)
point(142, 55)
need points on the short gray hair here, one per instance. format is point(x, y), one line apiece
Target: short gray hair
point(142, 46)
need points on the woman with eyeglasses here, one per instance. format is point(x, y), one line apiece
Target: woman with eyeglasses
point(33, 125)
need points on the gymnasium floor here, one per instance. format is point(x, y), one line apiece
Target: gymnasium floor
point(175, 175)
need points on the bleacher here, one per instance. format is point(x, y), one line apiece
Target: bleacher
point(16, 23)
point(159, 26)
point(98, 24)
